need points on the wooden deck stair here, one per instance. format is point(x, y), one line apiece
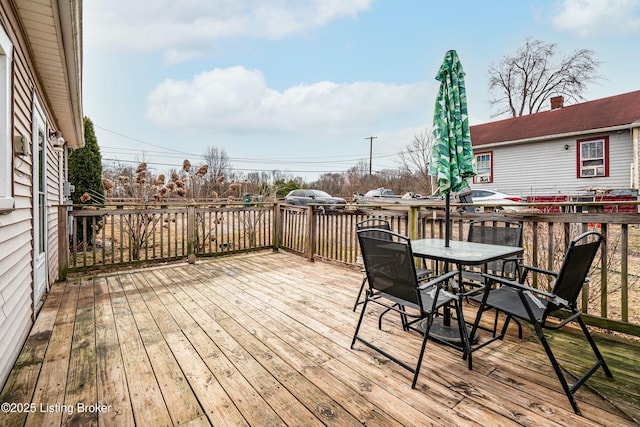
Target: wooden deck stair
point(263, 339)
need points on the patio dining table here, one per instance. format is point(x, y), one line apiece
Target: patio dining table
point(459, 253)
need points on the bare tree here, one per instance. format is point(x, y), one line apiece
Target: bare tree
point(218, 161)
point(357, 178)
point(523, 83)
point(219, 173)
point(415, 160)
point(332, 183)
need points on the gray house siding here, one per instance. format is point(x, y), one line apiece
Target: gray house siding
point(547, 168)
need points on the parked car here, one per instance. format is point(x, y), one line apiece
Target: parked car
point(505, 201)
point(303, 197)
point(385, 195)
point(379, 192)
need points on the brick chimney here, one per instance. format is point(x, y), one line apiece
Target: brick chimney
point(557, 102)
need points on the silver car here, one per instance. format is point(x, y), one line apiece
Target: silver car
point(303, 197)
point(505, 201)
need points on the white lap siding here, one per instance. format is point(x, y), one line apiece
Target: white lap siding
point(547, 168)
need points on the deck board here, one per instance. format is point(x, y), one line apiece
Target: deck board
point(113, 389)
point(264, 339)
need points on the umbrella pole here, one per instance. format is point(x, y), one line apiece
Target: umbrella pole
point(447, 226)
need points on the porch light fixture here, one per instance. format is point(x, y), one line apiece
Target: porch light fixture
point(56, 139)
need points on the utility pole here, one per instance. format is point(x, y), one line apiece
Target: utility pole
point(370, 138)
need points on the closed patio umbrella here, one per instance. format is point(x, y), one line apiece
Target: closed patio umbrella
point(452, 162)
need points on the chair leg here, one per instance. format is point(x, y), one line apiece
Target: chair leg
point(464, 333)
point(495, 325)
point(469, 349)
point(355, 306)
point(403, 319)
point(425, 337)
point(556, 367)
point(355, 334)
point(594, 347)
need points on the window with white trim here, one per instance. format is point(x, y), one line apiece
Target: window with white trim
point(593, 157)
point(484, 168)
point(6, 143)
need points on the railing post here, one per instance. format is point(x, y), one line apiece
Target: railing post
point(311, 235)
point(413, 222)
point(624, 271)
point(604, 268)
point(63, 242)
point(276, 230)
point(191, 234)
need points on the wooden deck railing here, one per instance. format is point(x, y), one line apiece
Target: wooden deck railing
point(113, 236)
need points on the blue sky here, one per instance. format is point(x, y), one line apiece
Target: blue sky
point(297, 85)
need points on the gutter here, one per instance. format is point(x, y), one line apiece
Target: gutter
point(70, 18)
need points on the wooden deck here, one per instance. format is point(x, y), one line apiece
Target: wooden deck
point(263, 339)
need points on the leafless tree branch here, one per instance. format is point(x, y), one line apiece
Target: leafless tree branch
point(523, 83)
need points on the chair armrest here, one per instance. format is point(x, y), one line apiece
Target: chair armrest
point(528, 268)
point(517, 285)
point(438, 280)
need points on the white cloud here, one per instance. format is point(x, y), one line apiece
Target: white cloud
point(141, 25)
point(236, 100)
point(595, 17)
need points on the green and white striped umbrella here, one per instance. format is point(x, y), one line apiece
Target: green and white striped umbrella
point(452, 161)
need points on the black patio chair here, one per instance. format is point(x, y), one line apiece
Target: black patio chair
point(381, 224)
point(535, 306)
point(509, 234)
point(393, 284)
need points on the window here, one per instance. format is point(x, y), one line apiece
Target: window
point(6, 143)
point(484, 167)
point(593, 157)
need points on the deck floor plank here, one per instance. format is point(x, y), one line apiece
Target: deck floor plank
point(174, 387)
point(113, 390)
point(146, 398)
point(240, 391)
point(52, 380)
point(264, 339)
point(238, 339)
point(268, 387)
point(216, 404)
point(81, 391)
point(22, 381)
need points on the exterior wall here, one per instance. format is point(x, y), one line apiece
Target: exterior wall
point(16, 226)
point(547, 168)
point(55, 175)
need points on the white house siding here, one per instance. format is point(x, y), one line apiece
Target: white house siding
point(546, 168)
point(16, 226)
point(16, 243)
point(54, 177)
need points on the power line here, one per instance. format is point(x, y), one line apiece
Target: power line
point(235, 168)
point(345, 157)
point(165, 152)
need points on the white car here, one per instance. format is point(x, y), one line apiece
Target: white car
point(505, 201)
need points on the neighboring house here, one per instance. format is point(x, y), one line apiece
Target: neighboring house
point(40, 117)
point(573, 150)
